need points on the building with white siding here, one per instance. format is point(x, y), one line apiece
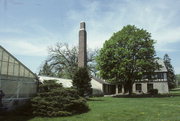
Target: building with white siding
point(143, 86)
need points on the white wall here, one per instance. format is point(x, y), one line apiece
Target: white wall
point(161, 86)
point(97, 87)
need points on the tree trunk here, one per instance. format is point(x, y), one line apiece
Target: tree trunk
point(129, 85)
point(130, 89)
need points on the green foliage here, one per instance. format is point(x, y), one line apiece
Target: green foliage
point(153, 92)
point(178, 78)
point(46, 70)
point(170, 74)
point(63, 60)
point(82, 82)
point(54, 100)
point(126, 56)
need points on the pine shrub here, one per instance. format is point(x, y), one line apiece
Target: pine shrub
point(54, 100)
point(153, 91)
point(82, 82)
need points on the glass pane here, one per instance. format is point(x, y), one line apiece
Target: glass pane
point(9, 88)
point(0, 66)
point(16, 70)
point(21, 70)
point(4, 68)
point(149, 87)
point(160, 76)
point(31, 75)
point(138, 87)
point(16, 62)
point(11, 59)
point(11, 69)
point(24, 90)
point(5, 56)
point(26, 73)
point(1, 53)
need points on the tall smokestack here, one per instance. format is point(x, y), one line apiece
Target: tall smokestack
point(82, 57)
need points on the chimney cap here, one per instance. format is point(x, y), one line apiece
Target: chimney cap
point(82, 25)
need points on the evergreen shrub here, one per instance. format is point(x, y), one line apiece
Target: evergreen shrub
point(54, 100)
point(82, 82)
point(153, 92)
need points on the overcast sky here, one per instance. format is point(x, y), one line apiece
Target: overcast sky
point(29, 27)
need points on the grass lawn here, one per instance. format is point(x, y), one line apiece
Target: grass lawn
point(175, 91)
point(121, 109)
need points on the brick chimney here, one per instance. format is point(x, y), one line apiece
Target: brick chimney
point(82, 57)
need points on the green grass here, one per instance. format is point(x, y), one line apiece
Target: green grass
point(175, 91)
point(122, 109)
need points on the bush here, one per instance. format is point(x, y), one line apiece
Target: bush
point(172, 85)
point(82, 82)
point(153, 91)
point(54, 100)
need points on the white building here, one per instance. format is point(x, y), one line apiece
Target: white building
point(101, 87)
point(159, 82)
point(97, 84)
point(143, 86)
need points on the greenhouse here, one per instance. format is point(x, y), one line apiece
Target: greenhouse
point(17, 82)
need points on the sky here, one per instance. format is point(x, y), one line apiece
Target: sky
point(29, 27)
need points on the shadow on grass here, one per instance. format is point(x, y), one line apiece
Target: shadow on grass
point(22, 113)
point(14, 117)
point(147, 96)
point(94, 99)
point(18, 117)
point(176, 89)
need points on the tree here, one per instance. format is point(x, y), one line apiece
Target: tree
point(82, 81)
point(91, 61)
point(126, 56)
point(63, 60)
point(170, 74)
point(178, 79)
point(46, 70)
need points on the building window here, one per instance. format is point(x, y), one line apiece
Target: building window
point(138, 87)
point(160, 75)
point(105, 89)
point(149, 87)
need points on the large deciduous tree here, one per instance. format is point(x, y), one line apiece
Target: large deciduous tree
point(63, 60)
point(170, 74)
point(126, 56)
